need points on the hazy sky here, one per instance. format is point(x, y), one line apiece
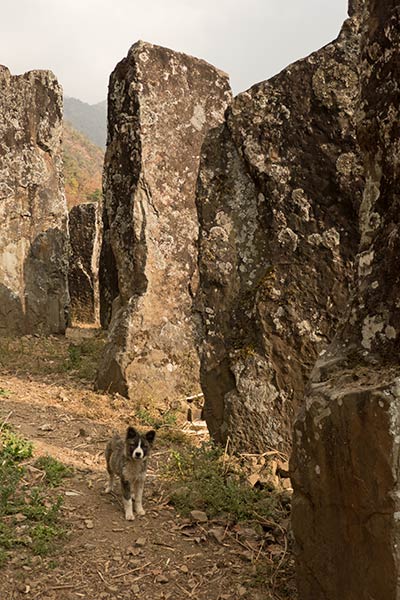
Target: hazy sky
point(82, 40)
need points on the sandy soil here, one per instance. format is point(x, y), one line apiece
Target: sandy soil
point(159, 555)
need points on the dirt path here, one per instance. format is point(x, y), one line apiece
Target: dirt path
point(160, 555)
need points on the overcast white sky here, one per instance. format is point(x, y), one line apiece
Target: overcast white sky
point(82, 40)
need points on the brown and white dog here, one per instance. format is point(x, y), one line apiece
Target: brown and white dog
point(127, 458)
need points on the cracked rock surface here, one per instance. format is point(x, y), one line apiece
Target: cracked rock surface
point(33, 212)
point(278, 194)
point(345, 463)
point(161, 105)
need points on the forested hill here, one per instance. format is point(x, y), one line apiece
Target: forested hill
point(83, 166)
point(89, 119)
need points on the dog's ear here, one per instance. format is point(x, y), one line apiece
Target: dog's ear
point(131, 433)
point(150, 435)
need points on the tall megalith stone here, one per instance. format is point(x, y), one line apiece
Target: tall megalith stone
point(33, 213)
point(278, 194)
point(83, 275)
point(161, 104)
point(345, 464)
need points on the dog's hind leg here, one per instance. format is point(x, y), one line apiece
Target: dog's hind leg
point(127, 499)
point(138, 493)
point(110, 485)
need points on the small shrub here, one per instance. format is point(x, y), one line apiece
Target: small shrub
point(206, 482)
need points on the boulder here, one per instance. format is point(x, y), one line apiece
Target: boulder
point(33, 212)
point(161, 105)
point(345, 464)
point(278, 194)
point(83, 280)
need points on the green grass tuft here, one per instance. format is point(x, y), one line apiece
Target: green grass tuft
point(54, 470)
point(13, 447)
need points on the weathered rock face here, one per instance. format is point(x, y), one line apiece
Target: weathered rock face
point(345, 462)
point(83, 279)
point(279, 189)
point(33, 213)
point(161, 105)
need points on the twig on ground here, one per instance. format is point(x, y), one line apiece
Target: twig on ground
point(5, 421)
point(259, 551)
point(131, 571)
point(226, 452)
point(63, 587)
point(273, 578)
point(183, 589)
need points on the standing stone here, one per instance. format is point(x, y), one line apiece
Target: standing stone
point(345, 465)
point(161, 105)
point(279, 189)
point(33, 213)
point(83, 280)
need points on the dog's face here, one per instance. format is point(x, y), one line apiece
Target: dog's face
point(138, 445)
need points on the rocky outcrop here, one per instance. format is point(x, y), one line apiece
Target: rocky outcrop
point(278, 194)
point(83, 280)
point(33, 213)
point(161, 105)
point(345, 462)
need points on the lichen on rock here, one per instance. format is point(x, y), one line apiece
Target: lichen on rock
point(34, 232)
point(278, 195)
point(345, 463)
point(161, 105)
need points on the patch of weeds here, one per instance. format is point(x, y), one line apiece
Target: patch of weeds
point(4, 393)
point(43, 538)
point(3, 556)
point(11, 474)
point(74, 359)
point(51, 355)
point(83, 358)
point(54, 470)
point(206, 481)
point(29, 513)
point(38, 507)
point(13, 447)
point(173, 436)
point(167, 419)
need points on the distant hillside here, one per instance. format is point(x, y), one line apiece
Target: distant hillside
point(83, 167)
point(90, 119)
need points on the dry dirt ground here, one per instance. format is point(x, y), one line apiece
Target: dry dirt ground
point(160, 555)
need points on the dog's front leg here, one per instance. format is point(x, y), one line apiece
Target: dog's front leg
point(138, 492)
point(127, 498)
